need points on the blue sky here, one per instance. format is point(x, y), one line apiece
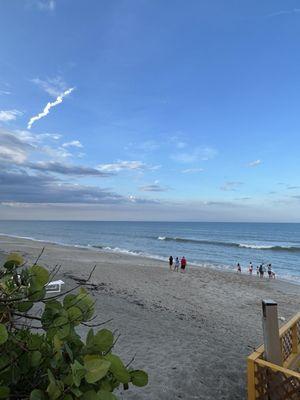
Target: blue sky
point(160, 110)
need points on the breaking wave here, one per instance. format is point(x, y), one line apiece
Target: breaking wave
point(232, 244)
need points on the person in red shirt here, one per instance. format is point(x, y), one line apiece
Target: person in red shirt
point(183, 264)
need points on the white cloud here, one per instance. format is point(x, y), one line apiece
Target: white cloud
point(48, 107)
point(192, 170)
point(4, 92)
point(73, 143)
point(283, 12)
point(254, 163)
point(122, 166)
point(195, 155)
point(48, 5)
point(52, 86)
point(155, 187)
point(230, 186)
point(9, 115)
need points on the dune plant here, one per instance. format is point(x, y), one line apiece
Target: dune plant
point(42, 355)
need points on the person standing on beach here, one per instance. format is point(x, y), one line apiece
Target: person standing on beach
point(257, 270)
point(170, 262)
point(261, 271)
point(250, 268)
point(239, 268)
point(270, 271)
point(183, 264)
point(176, 266)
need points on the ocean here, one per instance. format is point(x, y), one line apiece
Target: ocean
point(216, 245)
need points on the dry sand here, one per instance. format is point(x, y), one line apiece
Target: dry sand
point(191, 332)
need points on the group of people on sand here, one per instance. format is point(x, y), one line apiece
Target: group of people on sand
point(176, 264)
point(260, 270)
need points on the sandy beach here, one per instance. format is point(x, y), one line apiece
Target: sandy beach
point(191, 332)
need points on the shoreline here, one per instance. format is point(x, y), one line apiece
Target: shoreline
point(108, 250)
point(191, 332)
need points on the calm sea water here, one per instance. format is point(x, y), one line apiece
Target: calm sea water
point(219, 245)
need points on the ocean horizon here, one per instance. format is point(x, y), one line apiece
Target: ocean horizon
point(211, 244)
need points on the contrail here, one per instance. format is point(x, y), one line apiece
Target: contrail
point(48, 107)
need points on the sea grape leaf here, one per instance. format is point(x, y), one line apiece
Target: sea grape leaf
point(78, 372)
point(75, 315)
point(103, 340)
point(117, 368)
point(35, 358)
point(39, 275)
point(59, 327)
point(104, 395)
point(54, 388)
point(24, 306)
point(13, 260)
point(96, 368)
point(36, 292)
point(90, 337)
point(37, 394)
point(139, 378)
point(3, 334)
point(69, 300)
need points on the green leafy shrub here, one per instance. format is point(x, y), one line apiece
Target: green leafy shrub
point(42, 356)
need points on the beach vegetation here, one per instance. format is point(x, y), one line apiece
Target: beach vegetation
point(43, 357)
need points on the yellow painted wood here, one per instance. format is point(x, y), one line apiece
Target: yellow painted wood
point(251, 379)
point(257, 357)
point(294, 338)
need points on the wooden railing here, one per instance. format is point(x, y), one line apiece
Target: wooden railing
point(268, 381)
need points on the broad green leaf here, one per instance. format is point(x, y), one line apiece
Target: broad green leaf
point(36, 292)
point(37, 394)
point(38, 275)
point(90, 395)
point(3, 334)
point(77, 392)
point(60, 327)
point(117, 368)
point(139, 378)
point(69, 300)
point(4, 392)
point(78, 372)
point(35, 358)
point(86, 304)
point(54, 388)
point(90, 337)
point(104, 395)
point(75, 315)
point(24, 306)
point(96, 368)
point(13, 260)
point(103, 340)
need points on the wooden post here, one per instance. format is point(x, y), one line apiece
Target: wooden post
point(271, 332)
point(251, 379)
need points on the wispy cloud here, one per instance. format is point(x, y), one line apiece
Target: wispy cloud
point(122, 166)
point(230, 186)
point(66, 169)
point(53, 86)
point(192, 170)
point(254, 163)
point(155, 187)
point(9, 115)
point(195, 155)
point(283, 12)
point(48, 5)
point(73, 143)
point(48, 107)
point(4, 92)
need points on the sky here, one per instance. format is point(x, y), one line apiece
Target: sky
point(150, 110)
